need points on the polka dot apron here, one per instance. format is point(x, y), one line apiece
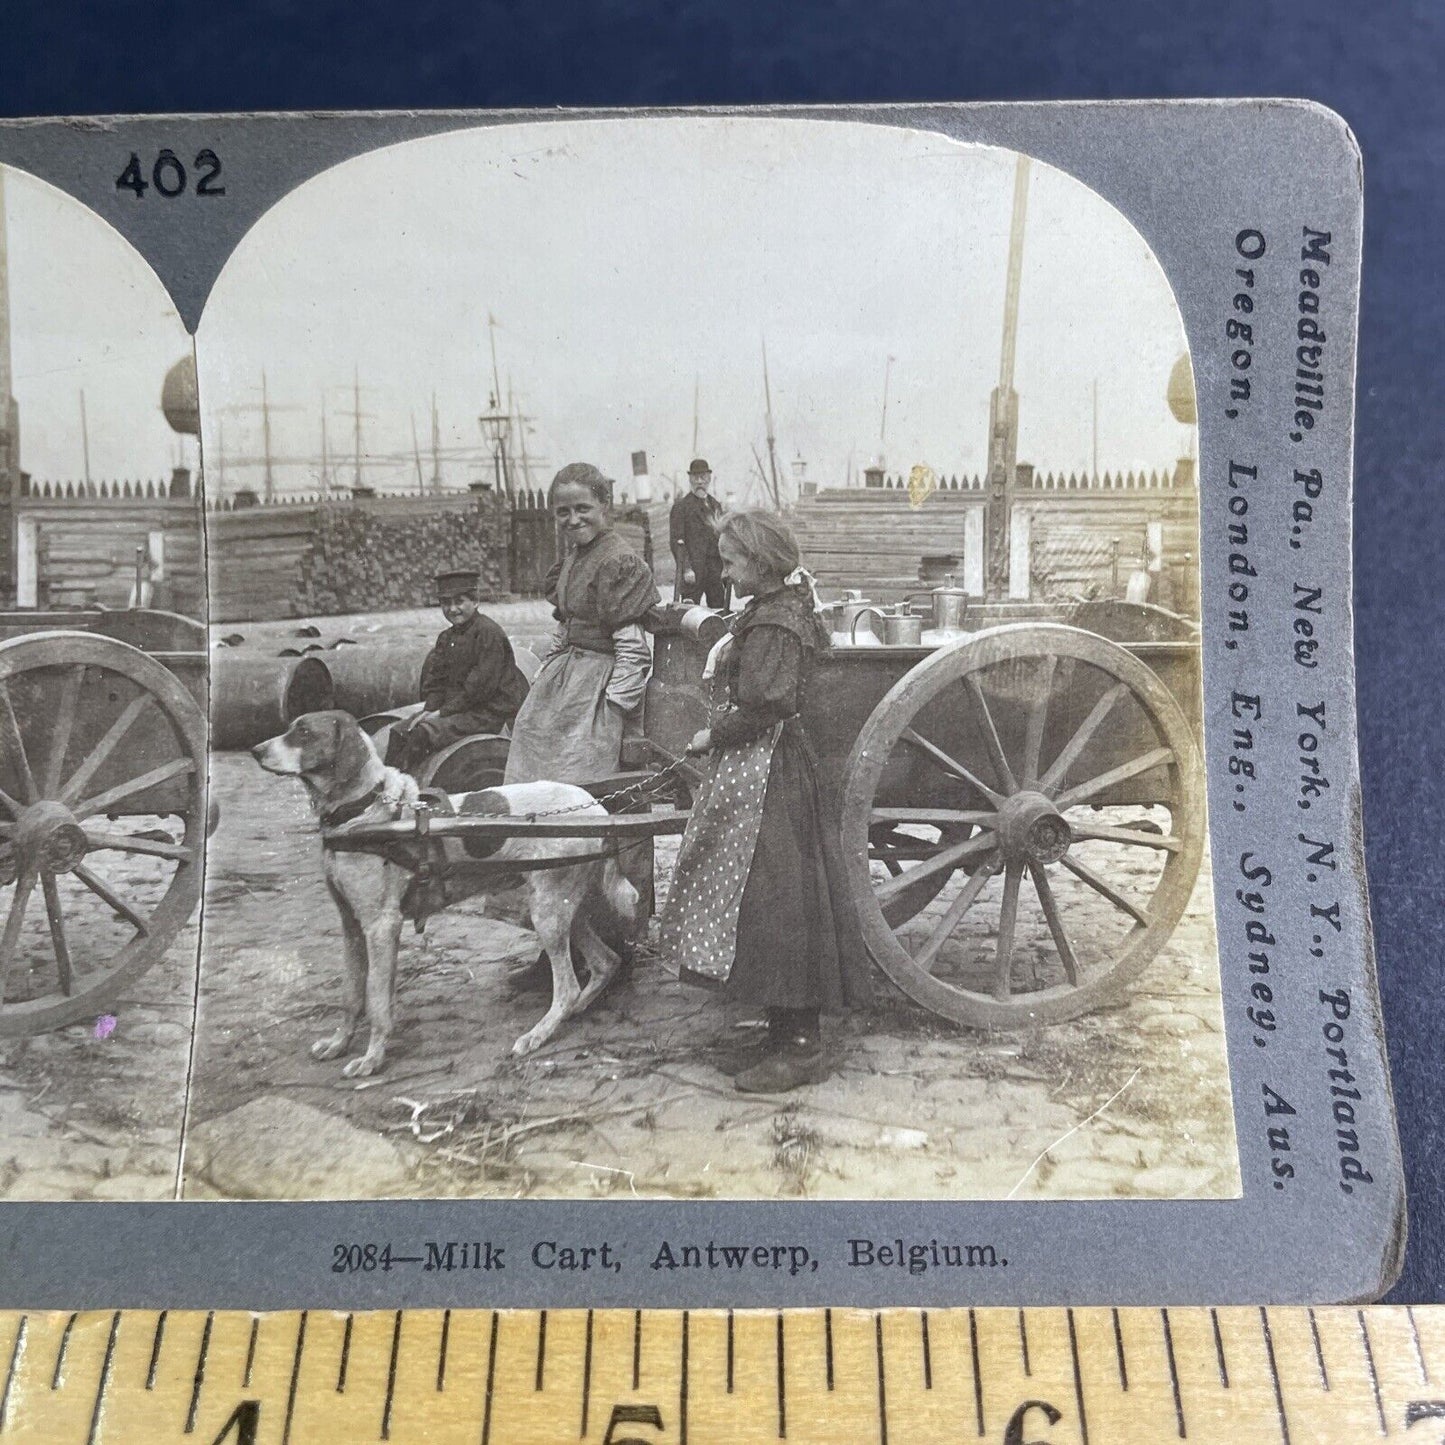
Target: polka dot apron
point(700, 922)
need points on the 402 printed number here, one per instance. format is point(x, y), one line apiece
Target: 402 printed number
point(168, 176)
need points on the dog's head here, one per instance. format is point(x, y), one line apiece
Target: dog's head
point(328, 749)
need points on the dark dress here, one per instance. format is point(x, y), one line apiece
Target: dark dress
point(796, 944)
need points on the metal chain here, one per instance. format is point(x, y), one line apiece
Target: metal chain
point(638, 787)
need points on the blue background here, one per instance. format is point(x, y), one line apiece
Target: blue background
point(1378, 65)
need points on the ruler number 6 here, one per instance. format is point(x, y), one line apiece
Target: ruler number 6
point(168, 175)
point(632, 1415)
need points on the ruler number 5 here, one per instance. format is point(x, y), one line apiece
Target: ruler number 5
point(632, 1415)
point(1418, 1410)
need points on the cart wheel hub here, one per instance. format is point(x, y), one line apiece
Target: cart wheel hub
point(1031, 829)
point(48, 838)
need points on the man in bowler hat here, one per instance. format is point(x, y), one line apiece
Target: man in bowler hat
point(694, 541)
point(470, 681)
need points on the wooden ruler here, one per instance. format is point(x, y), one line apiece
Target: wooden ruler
point(717, 1377)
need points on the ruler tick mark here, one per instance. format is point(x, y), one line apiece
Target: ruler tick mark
point(60, 1353)
point(1419, 1353)
point(1319, 1351)
point(442, 1350)
point(491, 1380)
point(10, 1369)
point(882, 1388)
point(586, 1379)
point(927, 1353)
point(1374, 1375)
point(1119, 1351)
point(1173, 1373)
point(296, 1374)
point(682, 1382)
point(1078, 1381)
point(1024, 1344)
point(156, 1350)
point(541, 1348)
point(345, 1357)
point(1219, 1349)
point(104, 1379)
point(827, 1347)
point(391, 1377)
point(199, 1378)
point(977, 1373)
point(782, 1385)
point(636, 1347)
point(1274, 1371)
point(251, 1352)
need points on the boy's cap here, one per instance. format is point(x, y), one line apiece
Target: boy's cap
point(459, 583)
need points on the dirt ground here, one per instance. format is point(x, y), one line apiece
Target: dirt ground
point(1131, 1101)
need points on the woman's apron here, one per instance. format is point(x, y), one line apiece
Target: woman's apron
point(700, 922)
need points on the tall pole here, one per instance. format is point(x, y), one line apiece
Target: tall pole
point(356, 418)
point(436, 448)
point(325, 455)
point(85, 441)
point(9, 411)
point(496, 375)
point(416, 455)
point(696, 384)
point(772, 449)
point(270, 480)
point(883, 420)
point(220, 458)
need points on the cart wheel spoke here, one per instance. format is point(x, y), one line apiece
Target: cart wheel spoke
point(57, 932)
point(12, 746)
point(109, 896)
point(927, 956)
point(14, 921)
point(1083, 735)
point(1102, 832)
point(944, 861)
point(1146, 762)
point(949, 765)
point(60, 739)
point(102, 801)
point(1107, 889)
point(996, 753)
point(100, 839)
point(933, 817)
point(1007, 919)
point(1037, 718)
point(1055, 920)
point(105, 747)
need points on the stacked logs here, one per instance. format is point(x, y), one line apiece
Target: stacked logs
point(362, 560)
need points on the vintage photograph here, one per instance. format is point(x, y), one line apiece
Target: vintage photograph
point(102, 707)
point(705, 684)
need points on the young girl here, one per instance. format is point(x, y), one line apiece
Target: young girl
point(569, 729)
point(758, 897)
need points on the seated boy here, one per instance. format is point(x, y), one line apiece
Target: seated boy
point(470, 682)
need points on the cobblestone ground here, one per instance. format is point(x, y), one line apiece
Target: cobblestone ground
point(623, 1100)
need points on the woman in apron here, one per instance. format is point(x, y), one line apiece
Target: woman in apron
point(569, 730)
point(758, 898)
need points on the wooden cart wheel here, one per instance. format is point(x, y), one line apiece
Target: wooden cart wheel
point(1069, 835)
point(102, 820)
point(467, 766)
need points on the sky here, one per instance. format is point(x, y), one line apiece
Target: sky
point(629, 266)
point(87, 315)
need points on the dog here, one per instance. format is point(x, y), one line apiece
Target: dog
point(347, 781)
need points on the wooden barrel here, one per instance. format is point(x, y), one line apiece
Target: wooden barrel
point(373, 677)
point(254, 697)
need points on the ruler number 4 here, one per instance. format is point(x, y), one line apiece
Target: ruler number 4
point(632, 1415)
point(245, 1421)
